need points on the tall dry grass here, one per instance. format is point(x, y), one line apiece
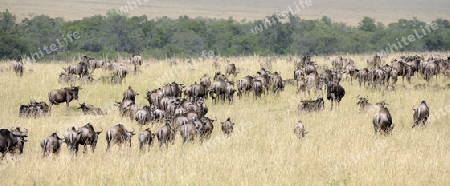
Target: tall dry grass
point(340, 148)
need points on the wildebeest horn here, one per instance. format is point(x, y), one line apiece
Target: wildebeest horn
point(101, 130)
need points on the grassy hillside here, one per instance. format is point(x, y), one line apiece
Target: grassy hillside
point(340, 148)
point(348, 11)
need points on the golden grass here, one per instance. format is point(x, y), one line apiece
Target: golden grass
point(340, 148)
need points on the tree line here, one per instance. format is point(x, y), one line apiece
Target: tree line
point(41, 37)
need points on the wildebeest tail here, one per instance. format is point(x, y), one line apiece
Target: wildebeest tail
point(51, 99)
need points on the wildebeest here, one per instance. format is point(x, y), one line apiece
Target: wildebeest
point(91, 109)
point(196, 91)
point(121, 71)
point(421, 114)
point(88, 136)
point(229, 92)
point(34, 109)
point(299, 130)
point(136, 59)
point(244, 85)
point(66, 94)
point(51, 144)
point(365, 106)
point(189, 131)
point(124, 107)
point(143, 115)
point(227, 127)
point(12, 140)
point(382, 121)
point(374, 62)
point(231, 69)
point(311, 105)
point(118, 135)
point(277, 85)
point(335, 93)
point(172, 89)
point(80, 69)
point(257, 88)
point(146, 137)
point(217, 90)
point(337, 63)
point(207, 128)
point(165, 135)
point(17, 67)
point(72, 139)
point(129, 94)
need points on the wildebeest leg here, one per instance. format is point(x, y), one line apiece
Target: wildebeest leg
point(67, 107)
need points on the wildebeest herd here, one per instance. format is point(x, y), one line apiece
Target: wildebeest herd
point(182, 109)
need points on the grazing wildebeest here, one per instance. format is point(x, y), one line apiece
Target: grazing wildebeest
point(66, 94)
point(335, 93)
point(51, 144)
point(382, 121)
point(88, 136)
point(227, 127)
point(12, 140)
point(165, 135)
point(230, 69)
point(72, 140)
point(118, 135)
point(91, 109)
point(421, 114)
point(299, 130)
point(146, 137)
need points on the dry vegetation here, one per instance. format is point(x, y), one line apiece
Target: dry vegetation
point(347, 11)
point(340, 148)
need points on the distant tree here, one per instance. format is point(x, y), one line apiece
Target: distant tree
point(367, 24)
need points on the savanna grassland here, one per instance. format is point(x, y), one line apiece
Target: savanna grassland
point(340, 148)
point(347, 11)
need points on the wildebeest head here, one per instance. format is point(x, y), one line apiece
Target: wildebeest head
point(73, 90)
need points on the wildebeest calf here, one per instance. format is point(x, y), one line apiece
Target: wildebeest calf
point(91, 109)
point(299, 130)
point(227, 127)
